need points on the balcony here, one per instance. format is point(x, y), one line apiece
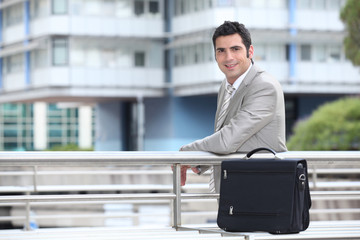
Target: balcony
point(83, 84)
point(321, 78)
point(87, 26)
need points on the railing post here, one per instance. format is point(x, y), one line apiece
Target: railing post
point(314, 178)
point(177, 192)
point(27, 220)
point(35, 178)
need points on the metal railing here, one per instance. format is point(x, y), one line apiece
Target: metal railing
point(323, 162)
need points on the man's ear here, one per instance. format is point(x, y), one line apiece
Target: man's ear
point(250, 52)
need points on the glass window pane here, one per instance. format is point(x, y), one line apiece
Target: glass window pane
point(139, 7)
point(320, 53)
point(139, 59)
point(304, 4)
point(153, 7)
point(259, 52)
point(334, 54)
point(259, 3)
point(305, 52)
point(225, 3)
point(123, 8)
point(108, 58)
point(60, 51)
point(333, 4)
point(108, 8)
point(319, 4)
point(93, 57)
point(59, 7)
point(123, 58)
point(92, 7)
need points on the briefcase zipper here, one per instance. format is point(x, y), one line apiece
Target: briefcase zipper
point(254, 171)
point(225, 172)
point(231, 212)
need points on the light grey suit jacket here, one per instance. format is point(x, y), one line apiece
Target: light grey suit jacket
point(255, 118)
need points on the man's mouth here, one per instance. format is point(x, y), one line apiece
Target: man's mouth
point(230, 66)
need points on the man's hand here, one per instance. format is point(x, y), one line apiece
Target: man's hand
point(183, 171)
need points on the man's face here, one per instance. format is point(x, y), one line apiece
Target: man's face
point(231, 56)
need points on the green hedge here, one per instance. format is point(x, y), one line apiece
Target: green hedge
point(69, 147)
point(333, 126)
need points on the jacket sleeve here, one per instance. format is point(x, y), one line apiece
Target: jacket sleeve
point(254, 113)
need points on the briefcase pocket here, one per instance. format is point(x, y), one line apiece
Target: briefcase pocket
point(234, 219)
point(234, 212)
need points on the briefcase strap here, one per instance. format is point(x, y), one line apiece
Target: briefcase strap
point(249, 154)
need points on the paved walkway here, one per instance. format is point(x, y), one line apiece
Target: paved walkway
point(317, 230)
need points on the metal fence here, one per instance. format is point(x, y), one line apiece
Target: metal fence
point(335, 166)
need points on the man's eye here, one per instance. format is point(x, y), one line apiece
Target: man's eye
point(236, 49)
point(220, 50)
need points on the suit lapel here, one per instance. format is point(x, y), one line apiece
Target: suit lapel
point(220, 101)
point(240, 92)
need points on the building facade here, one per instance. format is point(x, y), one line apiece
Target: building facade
point(148, 67)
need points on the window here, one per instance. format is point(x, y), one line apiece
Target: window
point(305, 54)
point(123, 8)
point(319, 4)
point(93, 57)
point(39, 8)
point(153, 7)
point(260, 53)
point(320, 53)
point(39, 58)
point(14, 63)
point(123, 58)
point(108, 58)
point(108, 8)
point(60, 51)
point(13, 15)
point(304, 4)
point(139, 59)
point(279, 4)
point(334, 4)
point(92, 7)
point(334, 54)
point(139, 8)
point(59, 7)
point(259, 3)
point(225, 3)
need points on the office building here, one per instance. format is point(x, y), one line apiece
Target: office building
point(148, 67)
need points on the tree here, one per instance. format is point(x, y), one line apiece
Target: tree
point(350, 15)
point(333, 126)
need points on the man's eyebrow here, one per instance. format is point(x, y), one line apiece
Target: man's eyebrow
point(220, 48)
point(235, 46)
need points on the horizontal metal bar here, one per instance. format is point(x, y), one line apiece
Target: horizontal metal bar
point(161, 158)
point(334, 171)
point(338, 210)
point(146, 172)
point(154, 196)
point(90, 172)
point(87, 197)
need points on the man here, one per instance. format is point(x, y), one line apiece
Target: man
point(250, 109)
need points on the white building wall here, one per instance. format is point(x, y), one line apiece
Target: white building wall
point(85, 127)
point(40, 126)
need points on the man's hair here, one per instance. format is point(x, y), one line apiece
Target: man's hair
point(229, 28)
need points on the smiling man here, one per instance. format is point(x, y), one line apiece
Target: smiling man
point(250, 108)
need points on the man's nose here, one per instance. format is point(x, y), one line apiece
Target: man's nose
point(228, 55)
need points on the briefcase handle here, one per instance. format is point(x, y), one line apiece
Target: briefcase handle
point(249, 154)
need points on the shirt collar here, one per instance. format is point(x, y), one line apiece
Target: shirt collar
point(238, 81)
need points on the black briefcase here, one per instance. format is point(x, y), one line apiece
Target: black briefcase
point(268, 194)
